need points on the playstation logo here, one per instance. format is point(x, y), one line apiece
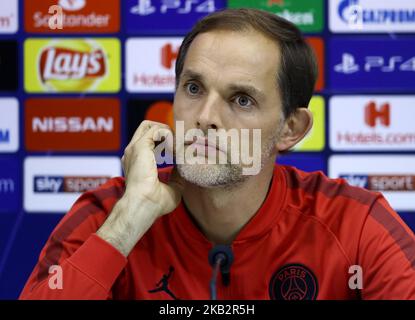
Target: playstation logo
point(143, 8)
point(347, 65)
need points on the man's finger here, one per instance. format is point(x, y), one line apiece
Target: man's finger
point(144, 127)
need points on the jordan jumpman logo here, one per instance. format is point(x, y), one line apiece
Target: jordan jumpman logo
point(163, 284)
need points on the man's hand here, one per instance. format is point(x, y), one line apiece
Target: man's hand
point(145, 198)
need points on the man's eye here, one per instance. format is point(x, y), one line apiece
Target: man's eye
point(243, 101)
point(192, 88)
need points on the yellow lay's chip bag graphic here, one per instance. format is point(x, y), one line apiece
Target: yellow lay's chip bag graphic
point(315, 139)
point(72, 65)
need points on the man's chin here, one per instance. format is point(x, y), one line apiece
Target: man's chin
point(211, 175)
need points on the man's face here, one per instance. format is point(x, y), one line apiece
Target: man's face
point(229, 82)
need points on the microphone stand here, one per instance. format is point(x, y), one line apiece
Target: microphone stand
point(220, 257)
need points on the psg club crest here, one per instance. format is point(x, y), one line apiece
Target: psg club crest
point(293, 282)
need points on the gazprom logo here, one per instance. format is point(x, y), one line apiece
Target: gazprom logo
point(349, 11)
point(354, 13)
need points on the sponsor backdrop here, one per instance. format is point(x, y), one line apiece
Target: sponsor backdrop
point(71, 98)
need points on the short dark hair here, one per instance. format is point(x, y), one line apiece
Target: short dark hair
point(298, 70)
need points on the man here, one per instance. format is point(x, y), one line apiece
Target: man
point(294, 235)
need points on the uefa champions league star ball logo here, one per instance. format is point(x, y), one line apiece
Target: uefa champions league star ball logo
point(293, 282)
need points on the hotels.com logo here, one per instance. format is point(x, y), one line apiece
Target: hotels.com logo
point(372, 123)
point(156, 72)
point(373, 115)
point(6, 21)
point(81, 61)
point(9, 16)
point(168, 55)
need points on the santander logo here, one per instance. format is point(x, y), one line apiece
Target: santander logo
point(72, 5)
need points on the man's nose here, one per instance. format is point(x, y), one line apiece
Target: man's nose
point(209, 114)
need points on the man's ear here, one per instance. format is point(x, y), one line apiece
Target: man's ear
point(296, 126)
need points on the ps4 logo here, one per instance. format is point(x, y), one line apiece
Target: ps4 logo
point(146, 7)
point(348, 64)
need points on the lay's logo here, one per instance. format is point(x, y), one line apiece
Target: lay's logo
point(63, 64)
point(72, 65)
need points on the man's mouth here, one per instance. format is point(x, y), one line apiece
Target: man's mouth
point(203, 143)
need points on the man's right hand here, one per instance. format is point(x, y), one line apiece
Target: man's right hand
point(146, 198)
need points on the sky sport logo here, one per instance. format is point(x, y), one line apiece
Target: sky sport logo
point(382, 183)
point(52, 184)
point(66, 184)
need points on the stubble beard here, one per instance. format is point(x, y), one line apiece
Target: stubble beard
point(225, 175)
